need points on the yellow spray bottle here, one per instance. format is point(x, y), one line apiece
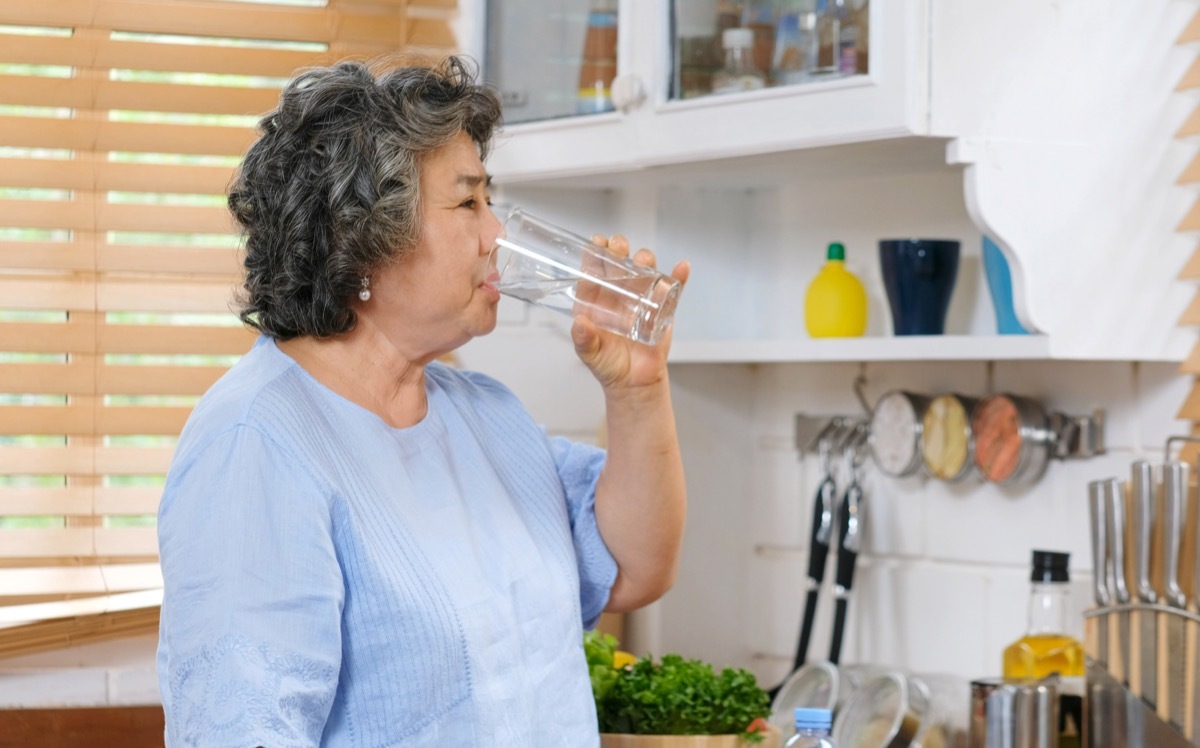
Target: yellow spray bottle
point(835, 305)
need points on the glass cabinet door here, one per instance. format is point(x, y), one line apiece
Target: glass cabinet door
point(551, 58)
point(728, 46)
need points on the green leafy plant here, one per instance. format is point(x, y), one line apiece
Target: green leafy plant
point(599, 649)
point(673, 697)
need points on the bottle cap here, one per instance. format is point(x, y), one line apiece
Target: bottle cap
point(837, 251)
point(1050, 566)
point(813, 719)
point(737, 37)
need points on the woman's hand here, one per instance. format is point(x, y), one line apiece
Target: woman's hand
point(619, 363)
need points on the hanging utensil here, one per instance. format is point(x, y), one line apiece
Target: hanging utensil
point(819, 536)
point(849, 524)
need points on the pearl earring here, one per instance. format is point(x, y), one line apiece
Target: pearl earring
point(365, 292)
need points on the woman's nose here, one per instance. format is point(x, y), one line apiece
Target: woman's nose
point(491, 231)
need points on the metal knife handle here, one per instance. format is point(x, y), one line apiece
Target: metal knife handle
point(1175, 478)
point(1143, 528)
point(1114, 496)
point(1096, 506)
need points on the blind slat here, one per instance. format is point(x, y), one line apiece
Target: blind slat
point(85, 94)
point(70, 378)
point(45, 337)
point(84, 377)
point(200, 18)
point(1192, 32)
point(74, 542)
point(81, 135)
point(37, 337)
point(156, 380)
point(78, 500)
point(1191, 315)
point(131, 421)
point(46, 256)
point(80, 460)
point(1191, 221)
point(46, 420)
point(169, 339)
point(78, 256)
point(87, 216)
point(165, 295)
point(169, 261)
point(47, 294)
point(83, 579)
point(82, 420)
point(103, 54)
point(1191, 364)
point(75, 500)
point(128, 177)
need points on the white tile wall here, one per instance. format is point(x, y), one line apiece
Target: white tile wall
point(942, 584)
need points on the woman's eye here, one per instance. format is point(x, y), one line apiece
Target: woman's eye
point(468, 203)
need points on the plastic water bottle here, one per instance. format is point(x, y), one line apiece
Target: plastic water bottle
point(812, 729)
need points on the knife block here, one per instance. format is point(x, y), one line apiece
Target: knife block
point(1162, 644)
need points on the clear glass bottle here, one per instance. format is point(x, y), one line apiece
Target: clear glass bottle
point(829, 35)
point(847, 37)
point(599, 64)
point(795, 43)
point(1047, 647)
point(860, 14)
point(760, 17)
point(812, 729)
point(738, 72)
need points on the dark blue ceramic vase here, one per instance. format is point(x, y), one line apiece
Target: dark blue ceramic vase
point(919, 276)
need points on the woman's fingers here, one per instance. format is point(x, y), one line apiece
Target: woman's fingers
point(682, 271)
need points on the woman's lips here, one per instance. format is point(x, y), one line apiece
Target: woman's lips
point(489, 285)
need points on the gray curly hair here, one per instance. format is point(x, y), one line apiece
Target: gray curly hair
point(330, 191)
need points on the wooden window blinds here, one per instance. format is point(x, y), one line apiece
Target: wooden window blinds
point(121, 122)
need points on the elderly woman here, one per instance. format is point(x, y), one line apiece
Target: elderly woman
point(362, 546)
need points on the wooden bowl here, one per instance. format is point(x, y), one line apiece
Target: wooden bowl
point(620, 740)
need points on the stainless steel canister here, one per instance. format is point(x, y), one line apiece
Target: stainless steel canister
point(1014, 713)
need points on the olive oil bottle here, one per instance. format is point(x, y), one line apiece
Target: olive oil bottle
point(1047, 648)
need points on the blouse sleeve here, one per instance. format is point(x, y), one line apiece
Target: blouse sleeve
point(250, 636)
point(579, 468)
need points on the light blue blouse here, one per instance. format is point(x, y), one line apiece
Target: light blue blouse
point(330, 580)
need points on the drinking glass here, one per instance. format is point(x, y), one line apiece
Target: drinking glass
point(548, 266)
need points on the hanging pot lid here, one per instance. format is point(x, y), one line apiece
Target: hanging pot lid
point(896, 426)
point(1013, 441)
point(947, 444)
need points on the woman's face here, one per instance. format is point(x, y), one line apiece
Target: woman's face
point(442, 293)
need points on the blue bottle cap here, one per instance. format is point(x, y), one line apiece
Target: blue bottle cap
point(813, 719)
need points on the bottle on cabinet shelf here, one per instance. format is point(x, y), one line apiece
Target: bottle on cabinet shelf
point(829, 34)
point(599, 65)
point(795, 43)
point(835, 305)
point(842, 37)
point(759, 17)
point(738, 73)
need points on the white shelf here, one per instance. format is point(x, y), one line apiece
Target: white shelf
point(907, 348)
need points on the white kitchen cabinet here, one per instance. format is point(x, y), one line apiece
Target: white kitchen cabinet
point(1046, 124)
